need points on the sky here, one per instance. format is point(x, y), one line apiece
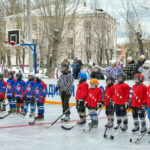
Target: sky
point(116, 10)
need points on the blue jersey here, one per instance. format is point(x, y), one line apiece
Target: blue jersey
point(19, 89)
point(10, 87)
point(29, 89)
point(3, 85)
point(39, 90)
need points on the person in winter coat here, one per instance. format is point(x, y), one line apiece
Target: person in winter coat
point(94, 101)
point(97, 73)
point(148, 105)
point(3, 86)
point(129, 68)
point(81, 96)
point(114, 70)
point(19, 90)
point(141, 61)
point(10, 92)
point(121, 100)
point(39, 94)
point(145, 70)
point(29, 97)
point(138, 103)
point(109, 102)
point(64, 85)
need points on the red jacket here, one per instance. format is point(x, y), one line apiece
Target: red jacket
point(148, 96)
point(82, 91)
point(121, 94)
point(108, 94)
point(139, 96)
point(94, 97)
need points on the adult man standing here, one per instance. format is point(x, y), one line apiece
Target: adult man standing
point(140, 63)
point(64, 85)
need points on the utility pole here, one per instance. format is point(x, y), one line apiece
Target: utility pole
point(30, 36)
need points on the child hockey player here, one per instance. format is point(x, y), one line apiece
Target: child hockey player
point(148, 105)
point(40, 91)
point(19, 89)
point(64, 85)
point(29, 98)
point(108, 101)
point(3, 85)
point(94, 99)
point(10, 92)
point(138, 102)
point(121, 99)
point(81, 96)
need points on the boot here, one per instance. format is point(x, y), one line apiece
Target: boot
point(136, 127)
point(66, 118)
point(39, 117)
point(31, 114)
point(93, 123)
point(143, 126)
point(124, 128)
point(117, 127)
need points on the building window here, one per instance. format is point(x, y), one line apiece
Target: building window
point(70, 41)
point(87, 25)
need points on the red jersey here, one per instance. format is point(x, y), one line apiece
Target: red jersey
point(121, 94)
point(139, 95)
point(148, 96)
point(94, 97)
point(108, 94)
point(82, 91)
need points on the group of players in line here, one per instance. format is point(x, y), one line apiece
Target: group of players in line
point(20, 94)
point(116, 99)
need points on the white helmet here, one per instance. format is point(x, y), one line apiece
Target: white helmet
point(147, 64)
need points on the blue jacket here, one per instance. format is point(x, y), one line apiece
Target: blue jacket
point(19, 89)
point(10, 87)
point(29, 89)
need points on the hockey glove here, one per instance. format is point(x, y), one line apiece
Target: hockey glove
point(99, 105)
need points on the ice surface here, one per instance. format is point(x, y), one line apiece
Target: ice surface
point(13, 136)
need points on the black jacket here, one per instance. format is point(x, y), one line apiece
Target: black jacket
point(138, 65)
point(97, 74)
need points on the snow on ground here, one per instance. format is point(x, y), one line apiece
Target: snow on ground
point(16, 134)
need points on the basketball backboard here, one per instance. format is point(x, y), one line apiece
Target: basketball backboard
point(14, 36)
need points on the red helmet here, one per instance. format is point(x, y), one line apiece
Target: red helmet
point(140, 77)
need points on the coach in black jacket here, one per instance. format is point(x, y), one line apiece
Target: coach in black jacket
point(64, 85)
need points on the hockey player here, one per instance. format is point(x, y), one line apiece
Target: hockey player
point(81, 96)
point(121, 101)
point(29, 98)
point(10, 92)
point(3, 85)
point(94, 99)
point(40, 91)
point(19, 89)
point(64, 85)
point(108, 101)
point(138, 103)
point(148, 106)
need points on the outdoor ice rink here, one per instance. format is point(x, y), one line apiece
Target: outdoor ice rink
point(16, 134)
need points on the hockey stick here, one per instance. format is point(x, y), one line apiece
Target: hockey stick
point(59, 117)
point(105, 135)
point(5, 116)
point(138, 139)
point(92, 125)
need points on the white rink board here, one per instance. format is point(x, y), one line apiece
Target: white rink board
point(52, 95)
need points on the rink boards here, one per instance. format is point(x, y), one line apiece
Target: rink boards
point(54, 98)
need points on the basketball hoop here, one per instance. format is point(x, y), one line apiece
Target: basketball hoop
point(10, 43)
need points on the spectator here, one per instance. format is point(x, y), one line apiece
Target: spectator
point(114, 70)
point(76, 66)
point(97, 73)
point(129, 68)
point(89, 70)
point(145, 70)
point(65, 61)
point(139, 64)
